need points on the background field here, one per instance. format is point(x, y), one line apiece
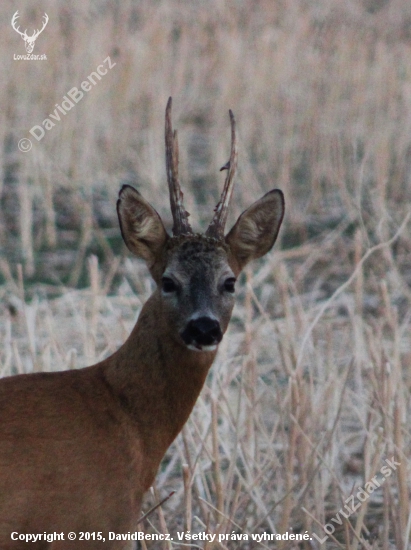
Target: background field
point(311, 389)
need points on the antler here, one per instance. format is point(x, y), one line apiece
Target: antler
point(180, 216)
point(216, 227)
point(13, 24)
point(46, 20)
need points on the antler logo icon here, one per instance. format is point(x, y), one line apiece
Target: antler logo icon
point(29, 40)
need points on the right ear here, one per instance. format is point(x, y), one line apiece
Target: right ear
point(256, 230)
point(141, 226)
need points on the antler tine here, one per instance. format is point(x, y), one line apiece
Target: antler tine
point(14, 21)
point(37, 32)
point(180, 215)
point(217, 225)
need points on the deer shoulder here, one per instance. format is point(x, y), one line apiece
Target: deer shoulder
point(78, 449)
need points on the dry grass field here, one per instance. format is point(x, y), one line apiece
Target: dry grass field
point(310, 393)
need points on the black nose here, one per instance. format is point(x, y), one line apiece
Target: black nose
point(202, 332)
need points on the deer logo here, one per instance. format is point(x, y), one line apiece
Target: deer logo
point(29, 40)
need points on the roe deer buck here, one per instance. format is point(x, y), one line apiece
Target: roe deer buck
point(79, 448)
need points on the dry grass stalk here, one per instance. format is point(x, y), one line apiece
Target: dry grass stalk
point(310, 392)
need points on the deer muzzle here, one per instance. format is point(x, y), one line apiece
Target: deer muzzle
point(202, 334)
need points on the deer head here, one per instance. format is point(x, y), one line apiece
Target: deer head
point(29, 40)
point(196, 273)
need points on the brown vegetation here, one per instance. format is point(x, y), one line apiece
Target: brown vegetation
point(310, 391)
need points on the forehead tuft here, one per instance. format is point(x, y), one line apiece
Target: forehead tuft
point(196, 247)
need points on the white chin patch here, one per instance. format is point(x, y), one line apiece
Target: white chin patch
point(202, 348)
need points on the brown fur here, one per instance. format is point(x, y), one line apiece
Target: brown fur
point(78, 449)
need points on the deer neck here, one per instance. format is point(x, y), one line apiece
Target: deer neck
point(156, 379)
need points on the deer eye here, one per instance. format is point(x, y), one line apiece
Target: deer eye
point(229, 285)
point(168, 285)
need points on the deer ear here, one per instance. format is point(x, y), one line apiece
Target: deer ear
point(141, 226)
point(256, 230)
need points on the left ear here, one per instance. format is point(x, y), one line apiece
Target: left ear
point(141, 226)
point(256, 230)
